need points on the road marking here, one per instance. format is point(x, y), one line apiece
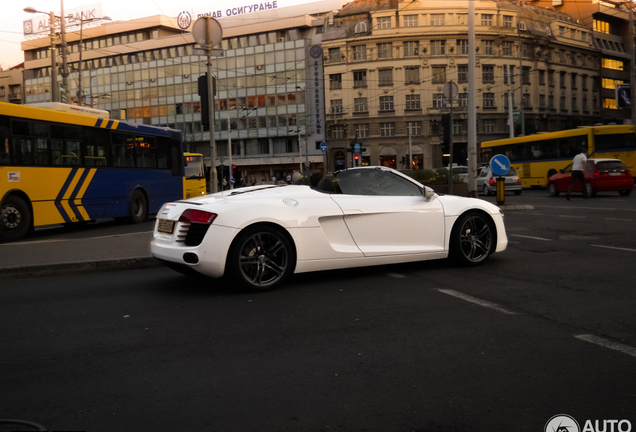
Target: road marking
point(67, 239)
point(395, 275)
point(530, 237)
point(477, 301)
point(608, 344)
point(622, 220)
point(576, 217)
point(617, 248)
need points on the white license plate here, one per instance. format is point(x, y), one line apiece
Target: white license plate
point(165, 226)
point(615, 174)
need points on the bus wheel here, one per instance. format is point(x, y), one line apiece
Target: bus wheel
point(15, 218)
point(137, 207)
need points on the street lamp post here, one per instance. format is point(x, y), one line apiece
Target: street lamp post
point(52, 18)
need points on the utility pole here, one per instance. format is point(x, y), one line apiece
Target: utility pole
point(472, 111)
point(63, 51)
point(521, 117)
point(632, 58)
point(511, 124)
point(53, 59)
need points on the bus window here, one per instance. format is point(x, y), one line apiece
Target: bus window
point(146, 149)
point(122, 150)
point(72, 155)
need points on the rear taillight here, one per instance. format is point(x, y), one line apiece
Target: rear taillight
point(492, 181)
point(197, 216)
point(519, 180)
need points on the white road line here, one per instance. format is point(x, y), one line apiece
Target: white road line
point(621, 220)
point(616, 248)
point(396, 275)
point(530, 237)
point(608, 344)
point(477, 301)
point(576, 217)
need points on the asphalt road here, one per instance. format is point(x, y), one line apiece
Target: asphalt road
point(545, 328)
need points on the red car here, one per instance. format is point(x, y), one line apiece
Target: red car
point(600, 175)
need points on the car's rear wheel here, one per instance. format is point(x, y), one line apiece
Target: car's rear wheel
point(589, 192)
point(486, 190)
point(472, 239)
point(552, 190)
point(261, 258)
point(625, 192)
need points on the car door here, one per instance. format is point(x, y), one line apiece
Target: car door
point(386, 214)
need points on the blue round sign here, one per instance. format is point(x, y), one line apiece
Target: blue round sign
point(323, 146)
point(356, 147)
point(500, 164)
point(232, 180)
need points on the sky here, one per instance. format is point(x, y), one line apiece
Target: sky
point(12, 15)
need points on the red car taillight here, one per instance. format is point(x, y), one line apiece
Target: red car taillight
point(519, 180)
point(197, 216)
point(492, 181)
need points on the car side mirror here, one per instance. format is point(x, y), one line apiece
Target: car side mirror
point(561, 171)
point(428, 193)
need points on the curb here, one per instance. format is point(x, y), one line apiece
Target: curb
point(79, 267)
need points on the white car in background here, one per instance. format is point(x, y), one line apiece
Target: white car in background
point(487, 181)
point(258, 236)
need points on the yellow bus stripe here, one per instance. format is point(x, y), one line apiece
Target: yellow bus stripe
point(86, 183)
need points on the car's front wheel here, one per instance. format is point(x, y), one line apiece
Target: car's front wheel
point(261, 258)
point(472, 239)
point(552, 190)
point(625, 192)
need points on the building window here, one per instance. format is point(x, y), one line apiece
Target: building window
point(336, 106)
point(584, 82)
point(488, 100)
point(413, 102)
point(438, 100)
point(414, 128)
point(585, 106)
point(488, 50)
point(412, 74)
point(612, 64)
point(387, 129)
point(437, 19)
point(462, 45)
point(525, 49)
point(462, 100)
point(541, 77)
point(542, 101)
point(600, 26)
point(386, 103)
point(575, 104)
point(525, 75)
point(334, 55)
point(360, 52)
point(486, 19)
point(337, 132)
point(359, 78)
point(507, 21)
point(462, 73)
point(551, 102)
point(439, 74)
point(561, 31)
point(384, 22)
point(551, 77)
point(410, 21)
point(488, 126)
point(360, 105)
point(562, 104)
point(411, 48)
point(361, 27)
point(335, 82)
point(384, 50)
point(385, 77)
point(438, 47)
point(506, 104)
point(562, 80)
point(457, 127)
point(488, 73)
point(362, 130)
point(573, 81)
point(506, 48)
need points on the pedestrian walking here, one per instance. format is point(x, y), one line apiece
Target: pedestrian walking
point(578, 174)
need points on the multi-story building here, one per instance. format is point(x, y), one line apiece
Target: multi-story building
point(609, 22)
point(11, 87)
point(387, 62)
point(146, 71)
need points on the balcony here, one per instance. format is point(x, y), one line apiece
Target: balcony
point(386, 112)
point(413, 111)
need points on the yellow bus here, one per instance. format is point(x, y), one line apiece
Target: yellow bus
point(194, 184)
point(537, 157)
point(58, 167)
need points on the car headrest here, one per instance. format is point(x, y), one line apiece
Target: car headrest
point(325, 185)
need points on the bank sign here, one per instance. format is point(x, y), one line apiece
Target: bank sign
point(40, 25)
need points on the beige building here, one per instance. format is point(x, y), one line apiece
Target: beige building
point(11, 87)
point(387, 61)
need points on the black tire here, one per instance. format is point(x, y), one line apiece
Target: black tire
point(261, 258)
point(137, 207)
point(588, 192)
point(486, 190)
point(625, 192)
point(472, 239)
point(552, 190)
point(15, 218)
point(517, 192)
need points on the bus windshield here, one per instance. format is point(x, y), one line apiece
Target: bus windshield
point(194, 168)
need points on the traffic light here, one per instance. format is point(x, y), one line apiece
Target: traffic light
point(203, 94)
point(356, 159)
point(448, 128)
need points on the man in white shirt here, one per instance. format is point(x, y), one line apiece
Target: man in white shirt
point(578, 167)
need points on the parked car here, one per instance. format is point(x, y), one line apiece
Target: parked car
point(461, 172)
point(257, 236)
point(601, 175)
point(487, 181)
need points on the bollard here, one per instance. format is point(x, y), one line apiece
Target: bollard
point(501, 190)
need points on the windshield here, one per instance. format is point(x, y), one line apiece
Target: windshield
point(194, 167)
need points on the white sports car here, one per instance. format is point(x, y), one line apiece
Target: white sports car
point(257, 236)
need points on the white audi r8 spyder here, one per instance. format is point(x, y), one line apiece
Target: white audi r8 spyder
point(257, 236)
